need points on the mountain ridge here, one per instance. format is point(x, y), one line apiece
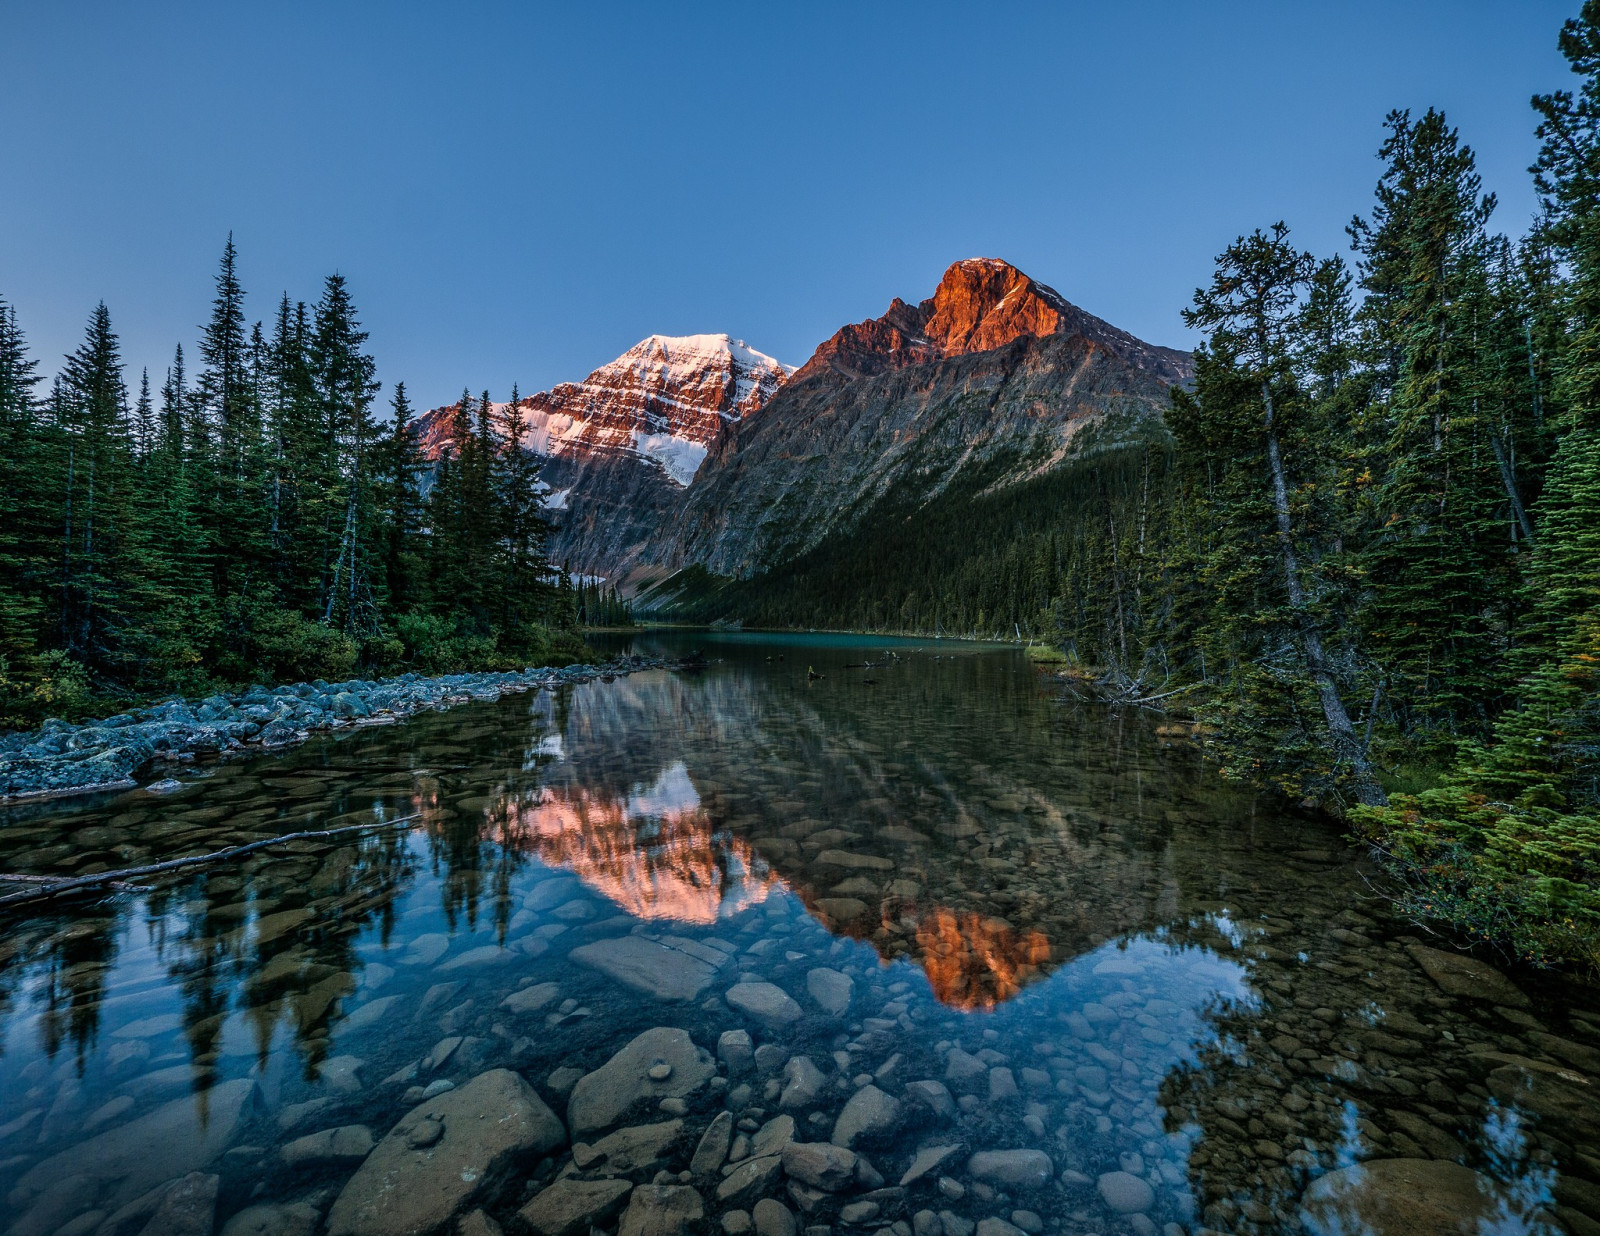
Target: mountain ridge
point(700, 450)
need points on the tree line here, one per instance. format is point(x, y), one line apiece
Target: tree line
point(1363, 550)
point(253, 519)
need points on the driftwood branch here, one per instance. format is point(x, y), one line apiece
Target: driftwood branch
point(48, 888)
point(33, 879)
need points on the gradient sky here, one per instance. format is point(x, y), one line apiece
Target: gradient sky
point(520, 192)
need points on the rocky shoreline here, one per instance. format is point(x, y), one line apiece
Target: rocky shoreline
point(60, 758)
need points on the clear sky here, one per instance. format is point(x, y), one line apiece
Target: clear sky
point(520, 191)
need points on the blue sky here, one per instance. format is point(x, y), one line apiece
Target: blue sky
point(520, 192)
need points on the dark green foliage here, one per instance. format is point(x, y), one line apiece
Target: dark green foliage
point(255, 524)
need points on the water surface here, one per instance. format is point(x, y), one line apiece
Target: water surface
point(1192, 1001)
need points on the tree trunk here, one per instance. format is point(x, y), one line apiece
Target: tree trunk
point(1508, 477)
point(1345, 743)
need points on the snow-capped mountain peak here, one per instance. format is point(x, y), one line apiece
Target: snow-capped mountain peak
point(663, 401)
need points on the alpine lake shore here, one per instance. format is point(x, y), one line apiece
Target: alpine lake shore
point(797, 940)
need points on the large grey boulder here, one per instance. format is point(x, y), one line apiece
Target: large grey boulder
point(189, 1208)
point(602, 1098)
point(1560, 1097)
point(803, 1082)
point(1020, 1169)
point(293, 1219)
point(661, 1210)
point(830, 989)
point(628, 1150)
point(766, 1003)
point(1125, 1193)
point(712, 1150)
point(345, 1143)
point(1456, 974)
point(751, 1180)
point(821, 1165)
point(442, 1154)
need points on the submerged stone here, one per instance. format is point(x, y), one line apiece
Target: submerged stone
point(488, 1124)
point(603, 1097)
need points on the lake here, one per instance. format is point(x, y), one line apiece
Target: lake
point(834, 934)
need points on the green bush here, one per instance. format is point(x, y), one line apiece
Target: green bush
point(272, 644)
point(50, 684)
point(434, 644)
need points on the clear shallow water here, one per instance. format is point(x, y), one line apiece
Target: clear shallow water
point(1192, 1002)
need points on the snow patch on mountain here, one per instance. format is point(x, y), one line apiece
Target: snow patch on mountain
point(678, 457)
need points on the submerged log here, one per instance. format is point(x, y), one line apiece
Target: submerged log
point(48, 888)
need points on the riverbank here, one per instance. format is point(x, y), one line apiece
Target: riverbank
point(61, 758)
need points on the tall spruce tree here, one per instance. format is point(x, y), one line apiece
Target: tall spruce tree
point(343, 377)
point(20, 500)
point(402, 469)
point(1424, 255)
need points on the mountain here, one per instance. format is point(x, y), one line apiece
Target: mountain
point(701, 451)
point(622, 444)
point(992, 381)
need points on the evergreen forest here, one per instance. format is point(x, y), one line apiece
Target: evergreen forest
point(254, 515)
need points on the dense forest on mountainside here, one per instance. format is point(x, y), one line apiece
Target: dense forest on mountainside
point(256, 523)
point(1365, 551)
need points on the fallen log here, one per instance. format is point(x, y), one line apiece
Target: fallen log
point(48, 888)
point(120, 885)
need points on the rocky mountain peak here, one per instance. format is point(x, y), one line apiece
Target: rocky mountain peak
point(984, 303)
point(980, 305)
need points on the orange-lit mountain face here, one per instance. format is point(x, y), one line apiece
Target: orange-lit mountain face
point(661, 405)
point(981, 305)
point(655, 855)
point(975, 962)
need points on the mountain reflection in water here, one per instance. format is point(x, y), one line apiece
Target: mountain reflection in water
point(1198, 1006)
point(654, 854)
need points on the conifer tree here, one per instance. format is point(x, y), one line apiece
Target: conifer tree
point(20, 459)
point(342, 374)
point(402, 466)
point(90, 409)
point(524, 588)
point(1424, 254)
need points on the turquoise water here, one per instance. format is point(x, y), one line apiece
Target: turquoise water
point(1191, 1003)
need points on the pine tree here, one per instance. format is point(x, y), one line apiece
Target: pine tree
point(1424, 267)
point(90, 410)
point(20, 533)
point(342, 375)
point(402, 466)
point(524, 588)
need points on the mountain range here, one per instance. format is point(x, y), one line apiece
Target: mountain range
point(699, 451)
